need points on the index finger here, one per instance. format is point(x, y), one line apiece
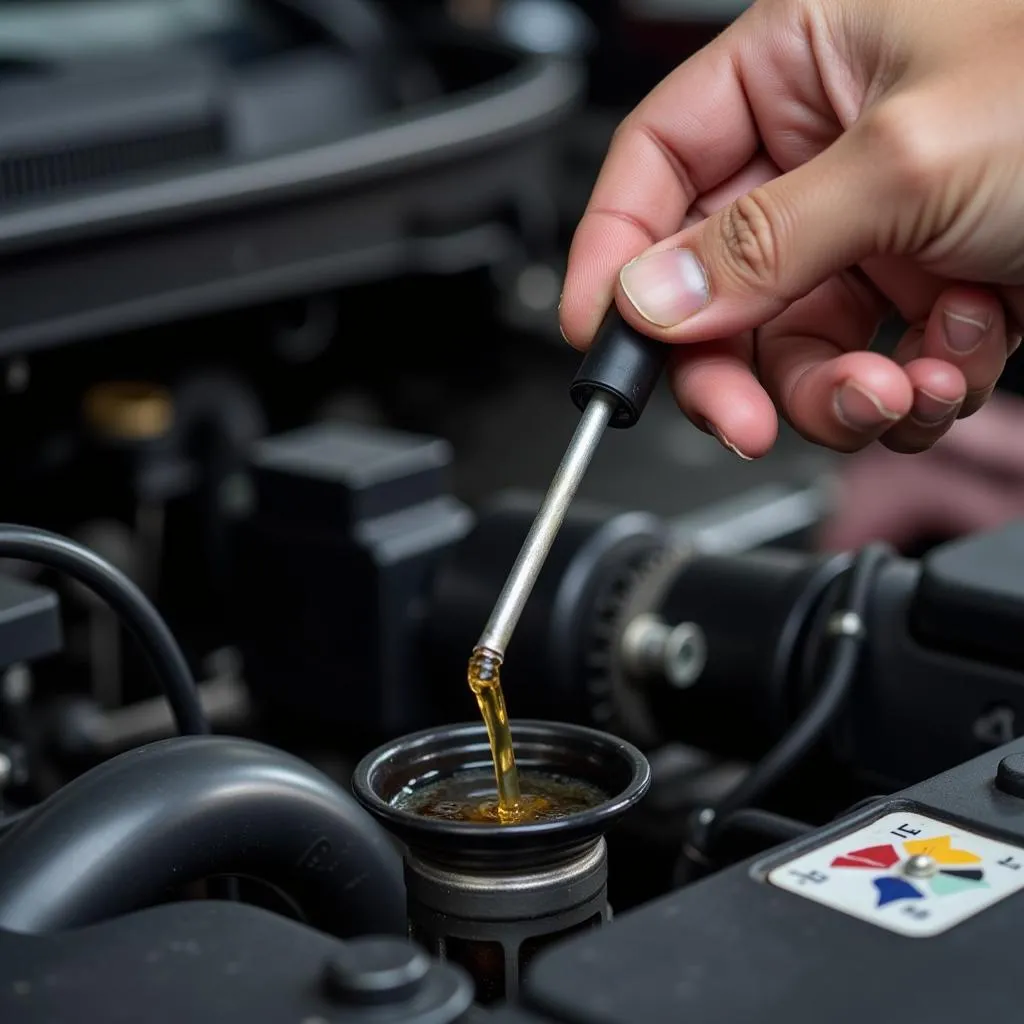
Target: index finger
point(691, 133)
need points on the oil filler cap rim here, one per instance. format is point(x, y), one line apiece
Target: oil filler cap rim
point(375, 971)
point(1010, 775)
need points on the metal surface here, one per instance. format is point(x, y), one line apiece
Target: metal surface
point(490, 897)
point(508, 895)
point(619, 691)
point(593, 422)
point(676, 653)
point(493, 923)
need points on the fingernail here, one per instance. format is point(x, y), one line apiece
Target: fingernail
point(930, 411)
point(565, 337)
point(665, 287)
point(1012, 344)
point(963, 333)
point(859, 409)
point(725, 442)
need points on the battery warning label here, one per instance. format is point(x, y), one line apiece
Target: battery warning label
point(907, 873)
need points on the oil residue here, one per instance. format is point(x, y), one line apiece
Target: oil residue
point(470, 796)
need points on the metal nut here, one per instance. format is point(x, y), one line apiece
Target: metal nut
point(677, 654)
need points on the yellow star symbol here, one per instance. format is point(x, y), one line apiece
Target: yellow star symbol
point(940, 849)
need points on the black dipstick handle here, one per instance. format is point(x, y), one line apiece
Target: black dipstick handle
point(621, 362)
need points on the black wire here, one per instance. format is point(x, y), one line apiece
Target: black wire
point(808, 729)
point(27, 544)
point(800, 613)
point(775, 828)
point(768, 828)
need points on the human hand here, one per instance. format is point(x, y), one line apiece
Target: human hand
point(818, 164)
point(972, 479)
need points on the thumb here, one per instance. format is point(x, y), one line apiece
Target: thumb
point(747, 262)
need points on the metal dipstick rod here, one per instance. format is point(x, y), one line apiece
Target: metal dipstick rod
point(611, 388)
point(564, 485)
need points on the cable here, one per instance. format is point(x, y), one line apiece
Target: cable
point(192, 808)
point(848, 627)
point(775, 828)
point(768, 828)
point(27, 544)
point(800, 614)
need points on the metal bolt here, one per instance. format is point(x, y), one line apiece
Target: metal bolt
point(375, 971)
point(846, 624)
point(677, 654)
point(921, 866)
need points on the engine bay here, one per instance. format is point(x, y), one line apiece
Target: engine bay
point(282, 391)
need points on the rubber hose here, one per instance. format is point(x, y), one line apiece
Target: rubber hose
point(131, 606)
point(130, 831)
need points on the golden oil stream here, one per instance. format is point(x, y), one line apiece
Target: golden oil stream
point(485, 681)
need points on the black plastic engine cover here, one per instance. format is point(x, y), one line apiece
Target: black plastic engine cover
point(331, 571)
point(735, 949)
point(201, 963)
point(970, 599)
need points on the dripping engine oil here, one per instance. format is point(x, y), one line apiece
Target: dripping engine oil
point(484, 674)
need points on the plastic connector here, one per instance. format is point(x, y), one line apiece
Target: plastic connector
point(624, 363)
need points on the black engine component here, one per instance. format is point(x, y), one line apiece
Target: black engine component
point(333, 569)
point(138, 827)
point(30, 629)
point(487, 896)
point(739, 947)
point(558, 668)
point(575, 657)
point(29, 622)
point(324, 586)
point(757, 630)
point(764, 941)
point(970, 598)
point(913, 657)
point(261, 160)
point(219, 963)
point(941, 863)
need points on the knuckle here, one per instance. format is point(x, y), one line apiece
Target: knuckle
point(623, 128)
point(903, 138)
point(750, 241)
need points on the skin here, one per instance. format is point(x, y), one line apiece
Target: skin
point(826, 162)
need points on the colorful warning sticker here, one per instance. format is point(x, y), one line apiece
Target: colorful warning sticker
point(907, 873)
